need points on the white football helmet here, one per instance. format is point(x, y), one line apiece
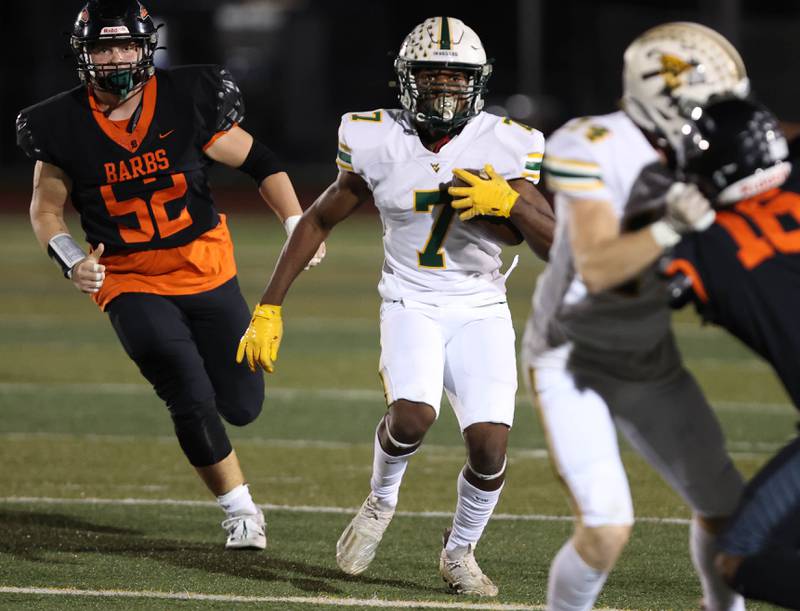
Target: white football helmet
point(447, 43)
point(674, 66)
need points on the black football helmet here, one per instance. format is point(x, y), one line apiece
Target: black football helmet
point(732, 149)
point(123, 20)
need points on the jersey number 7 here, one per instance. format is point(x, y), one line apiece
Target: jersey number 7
point(424, 201)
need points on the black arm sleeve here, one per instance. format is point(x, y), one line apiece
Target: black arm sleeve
point(260, 163)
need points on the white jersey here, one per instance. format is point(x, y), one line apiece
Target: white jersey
point(431, 256)
point(601, 158)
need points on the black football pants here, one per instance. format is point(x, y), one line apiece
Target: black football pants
point(765, 530)
point(185, 345)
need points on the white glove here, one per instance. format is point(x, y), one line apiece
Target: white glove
point(687, 210)
point(289, 224)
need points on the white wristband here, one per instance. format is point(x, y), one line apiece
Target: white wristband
point(290, 223)
point(664, 235)
point(66, 252)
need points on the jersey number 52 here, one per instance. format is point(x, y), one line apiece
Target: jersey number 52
point(151, 216)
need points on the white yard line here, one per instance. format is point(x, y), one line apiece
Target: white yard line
point(737, 449)
point(503, 517)
point(299, 600)
point(277, 392)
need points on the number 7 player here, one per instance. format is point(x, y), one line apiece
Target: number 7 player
point(445, 322)
point(131, 147)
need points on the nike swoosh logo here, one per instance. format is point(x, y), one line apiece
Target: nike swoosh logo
point(165, 134)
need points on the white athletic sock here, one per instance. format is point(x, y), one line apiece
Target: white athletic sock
point(572, 584)
point(717, 596)
point(387, 474)
point(473, 510)
point(237, 501)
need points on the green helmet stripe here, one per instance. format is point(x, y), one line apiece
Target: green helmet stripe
point(444, 36)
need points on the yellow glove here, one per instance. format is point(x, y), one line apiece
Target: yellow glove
point(262, 339)
point(492, 196)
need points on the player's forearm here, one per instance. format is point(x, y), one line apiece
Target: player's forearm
point(46, 225)
point(278, 192)
point(296, 253)
point(609, 263)
point(536, 226)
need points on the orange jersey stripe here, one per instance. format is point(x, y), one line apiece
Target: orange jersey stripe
point(685, 266)
point(199, 266)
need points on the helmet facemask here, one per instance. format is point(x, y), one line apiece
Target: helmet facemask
point(441, 96)
point(118, 78)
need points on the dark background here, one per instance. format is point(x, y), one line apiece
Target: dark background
point(302, 63)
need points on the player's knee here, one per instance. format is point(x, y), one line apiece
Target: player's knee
point(486, 447)
point(600, 546)
point(712, 524)
point(727, 566)
point(201, 434)
point(408, 421)
point(241, 403)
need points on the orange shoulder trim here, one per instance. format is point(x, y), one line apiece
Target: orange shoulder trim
point(217, 136)
point(685, 266)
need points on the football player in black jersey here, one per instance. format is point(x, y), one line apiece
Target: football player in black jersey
point(743, 273)
point(131, 147)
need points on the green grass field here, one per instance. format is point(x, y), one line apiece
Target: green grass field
point(81, 431)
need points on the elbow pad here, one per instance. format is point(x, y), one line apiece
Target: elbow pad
point(260, 163)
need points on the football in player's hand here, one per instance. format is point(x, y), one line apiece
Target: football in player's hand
point(496, 228)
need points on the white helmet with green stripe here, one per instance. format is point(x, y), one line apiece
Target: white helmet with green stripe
point(444, 43)
point(676, 65)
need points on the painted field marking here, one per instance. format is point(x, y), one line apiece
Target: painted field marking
point(289, 394)
point(234, 598)
point(503, 517)
point(301, 600)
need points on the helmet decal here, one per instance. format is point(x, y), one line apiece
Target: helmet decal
point(672, 70)
point(444, 34)
point(84, 15)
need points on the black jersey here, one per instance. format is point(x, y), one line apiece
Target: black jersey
point(745, 272)
point(141, 184)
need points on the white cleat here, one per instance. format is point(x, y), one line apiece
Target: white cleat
point(462, 574)
point(246, 531)
point(356, 548)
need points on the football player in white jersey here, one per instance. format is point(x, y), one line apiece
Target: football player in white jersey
point(598, 347)
point(445, 323)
